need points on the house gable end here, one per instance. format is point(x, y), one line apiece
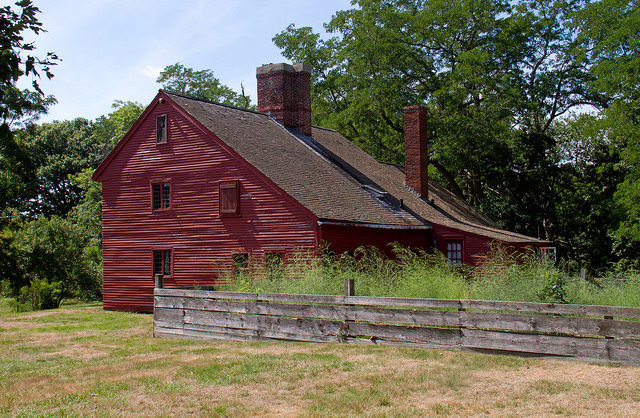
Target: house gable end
point(98, 174)
point(164, 98)
point(200, 238)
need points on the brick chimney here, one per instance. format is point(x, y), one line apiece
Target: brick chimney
point(416, 151)
point(285, 91)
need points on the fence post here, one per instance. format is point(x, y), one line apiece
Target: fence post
point(349, 287)
point(608, 318)
point(583, 274)
point(158, 278)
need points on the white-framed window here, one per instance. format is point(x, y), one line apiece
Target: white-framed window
point(454, 251)
point(549, 253)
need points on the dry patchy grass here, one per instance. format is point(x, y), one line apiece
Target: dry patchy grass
point(83, 361)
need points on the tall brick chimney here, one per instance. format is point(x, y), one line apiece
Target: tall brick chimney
point(285, 91)
point(416, 151)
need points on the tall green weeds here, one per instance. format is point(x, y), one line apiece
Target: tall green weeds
point(501, 275)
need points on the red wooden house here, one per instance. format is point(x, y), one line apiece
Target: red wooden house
point(195, 186)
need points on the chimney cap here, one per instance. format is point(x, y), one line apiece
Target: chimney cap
point(272, 68)
point(414, 108)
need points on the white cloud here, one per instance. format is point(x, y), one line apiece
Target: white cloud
point(151, 72)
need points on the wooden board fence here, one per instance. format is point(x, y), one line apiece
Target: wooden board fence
point(590, 332)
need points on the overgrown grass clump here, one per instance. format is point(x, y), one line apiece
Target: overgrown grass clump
point(502, 275)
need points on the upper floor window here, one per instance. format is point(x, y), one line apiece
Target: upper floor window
point(161, 129)
point(454, 252)
point(230, 197)
point(161, 195)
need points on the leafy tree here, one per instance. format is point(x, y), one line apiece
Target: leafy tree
point(87, 216)
point(499, 79)
point(57, 151)
point(16, 61)
point(16, 105)
point(202, 84)
point(109, 129)
point(52, 250)
point(88, 213)
point(494, 77)
point(611, 40)
point(584, 210)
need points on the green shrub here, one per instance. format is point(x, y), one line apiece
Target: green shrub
point(57, 250)
point(39, 294)
point(5, 288)
point(555, 290)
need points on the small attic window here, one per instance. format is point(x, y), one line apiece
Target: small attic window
point(161, 129)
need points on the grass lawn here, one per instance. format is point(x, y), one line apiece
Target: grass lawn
point(80, 360)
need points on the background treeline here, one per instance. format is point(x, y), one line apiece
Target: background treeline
point(50, 242)
point(533, 106)
point(534, 116)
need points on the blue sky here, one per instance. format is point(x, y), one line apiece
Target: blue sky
point(114, 49)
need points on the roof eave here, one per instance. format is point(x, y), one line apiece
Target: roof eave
point(334, 222)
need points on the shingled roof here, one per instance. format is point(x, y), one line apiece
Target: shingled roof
point(303, 173)
point(334, 178)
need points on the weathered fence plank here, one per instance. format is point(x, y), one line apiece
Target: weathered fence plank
point(551, 324)
point(594, 348)
point(340, 312)
point(512, 326)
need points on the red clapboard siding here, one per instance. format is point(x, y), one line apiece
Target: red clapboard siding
point(202, 242)
point(341, 238)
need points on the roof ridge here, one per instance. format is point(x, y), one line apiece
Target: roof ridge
point(199, 99)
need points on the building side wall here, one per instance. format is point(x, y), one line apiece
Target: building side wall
point(340, 238)
point(202, 242)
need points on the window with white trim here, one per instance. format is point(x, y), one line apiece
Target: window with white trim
point(454, 252)
point(549, 253)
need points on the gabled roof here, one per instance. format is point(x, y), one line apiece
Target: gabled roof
point(294, 166)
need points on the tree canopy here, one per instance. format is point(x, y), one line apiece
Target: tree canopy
point(201, 84)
